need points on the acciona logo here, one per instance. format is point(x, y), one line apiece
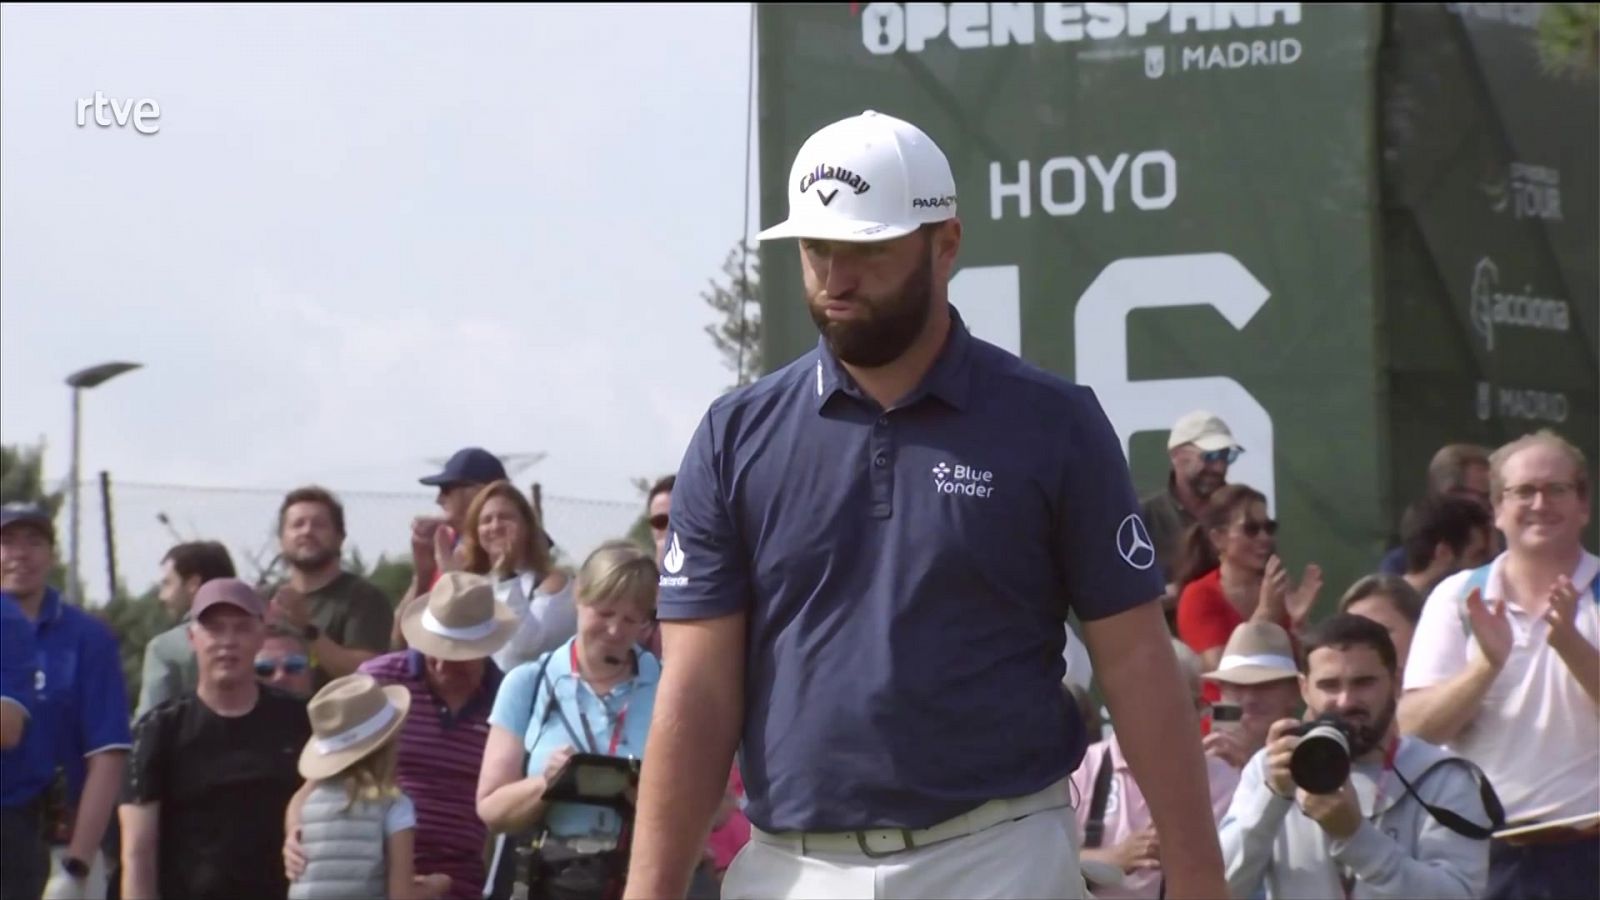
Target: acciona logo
point(894, 27)
point(963, 480)
point(1493, 308)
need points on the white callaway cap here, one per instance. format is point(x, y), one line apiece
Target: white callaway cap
point(870, 177)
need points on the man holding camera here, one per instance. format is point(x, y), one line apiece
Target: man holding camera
point(1342, 806)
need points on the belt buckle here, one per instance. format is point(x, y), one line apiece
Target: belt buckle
point(869, 853)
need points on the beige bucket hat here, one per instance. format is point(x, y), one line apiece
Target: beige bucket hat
point(351, 717)
point(461, 619)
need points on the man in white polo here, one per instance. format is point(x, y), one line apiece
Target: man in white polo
point(1504, 670)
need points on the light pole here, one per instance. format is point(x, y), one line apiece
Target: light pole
point(80, 381)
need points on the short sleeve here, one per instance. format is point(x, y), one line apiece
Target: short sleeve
point(103, 701)
point(1106, 549)
point(370, 621)
point(142, 782)
point(401, 816)
point(513, 703)
point(19, 660)
point(705, 572)
point(1439, 645)
point(1202, 623)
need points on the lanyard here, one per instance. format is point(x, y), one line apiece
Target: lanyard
point(616, 725)
point(1347, 878)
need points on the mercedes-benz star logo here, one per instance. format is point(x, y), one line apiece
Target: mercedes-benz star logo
point(1133, 542)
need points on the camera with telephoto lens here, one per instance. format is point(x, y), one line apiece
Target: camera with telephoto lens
point(1320, 763)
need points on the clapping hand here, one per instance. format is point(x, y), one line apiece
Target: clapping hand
point(290, 608)
point(1304, 596)
point(1562, 614)
point(1491, 630)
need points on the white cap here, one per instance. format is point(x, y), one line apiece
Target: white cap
point(870, 177)
point(1202, 429)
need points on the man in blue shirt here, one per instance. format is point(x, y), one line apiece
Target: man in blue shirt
point(79, 726)
point(19, 669)
point(872, 555)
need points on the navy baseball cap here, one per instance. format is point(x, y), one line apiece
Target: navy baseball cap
point(28, 514)
point(474, 465)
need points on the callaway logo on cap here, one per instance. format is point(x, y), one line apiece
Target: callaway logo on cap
point(870, 177)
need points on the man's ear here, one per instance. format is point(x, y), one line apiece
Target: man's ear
point(1444, 553)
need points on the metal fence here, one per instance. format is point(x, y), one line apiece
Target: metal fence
point(147, 519)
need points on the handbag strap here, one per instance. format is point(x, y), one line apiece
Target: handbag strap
point(1094, 830)
point(538, 681)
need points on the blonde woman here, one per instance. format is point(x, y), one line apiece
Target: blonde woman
point(593, 694)
point(505, 540)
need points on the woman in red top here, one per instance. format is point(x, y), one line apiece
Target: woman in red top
point(1230, 573)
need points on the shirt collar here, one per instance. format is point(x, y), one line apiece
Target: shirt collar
point(950, 379)
point(1582, 577)
point(490, 685)
point(49, 607)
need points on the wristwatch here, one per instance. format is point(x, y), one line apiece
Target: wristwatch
point(311, 633)
point(77, 868)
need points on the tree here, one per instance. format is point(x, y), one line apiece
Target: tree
point(738, 301)
point(134, 620)
point(392, 576)
point(1569, 39)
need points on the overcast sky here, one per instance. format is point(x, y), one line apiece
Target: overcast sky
point(366, 236)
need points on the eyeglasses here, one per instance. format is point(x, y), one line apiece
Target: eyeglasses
point(289, 665)
point(1252, 528)
point(659, 521)
point(1555, 490)
point(1228, 455)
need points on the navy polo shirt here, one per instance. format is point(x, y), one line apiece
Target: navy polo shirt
point(906, 575)
point(81, 708)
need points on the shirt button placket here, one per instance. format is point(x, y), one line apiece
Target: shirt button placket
point(881, 469)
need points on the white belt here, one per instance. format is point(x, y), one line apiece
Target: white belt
point(878, 842)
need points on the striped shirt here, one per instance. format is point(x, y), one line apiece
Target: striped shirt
point(440, 755)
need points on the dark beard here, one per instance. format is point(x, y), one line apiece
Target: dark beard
point(890, 327)
point(311, 563)
point(1366, 738)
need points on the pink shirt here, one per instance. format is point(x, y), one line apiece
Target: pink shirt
point(1126, 811)
point(727, 841)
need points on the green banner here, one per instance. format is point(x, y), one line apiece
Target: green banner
point(1175, 204)
point(1491, 235)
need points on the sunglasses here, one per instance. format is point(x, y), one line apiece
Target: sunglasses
point(1252, 528)
point(1229, 455)
point(289, 665)
point(659, 521)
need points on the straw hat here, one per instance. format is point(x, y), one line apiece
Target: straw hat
point(1257, 653)
point(351, 717)
point(461, 619)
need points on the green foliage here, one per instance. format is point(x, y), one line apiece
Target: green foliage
point(134, 620)
point(392, 576)
point(738, 301)
point(1569, 39)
